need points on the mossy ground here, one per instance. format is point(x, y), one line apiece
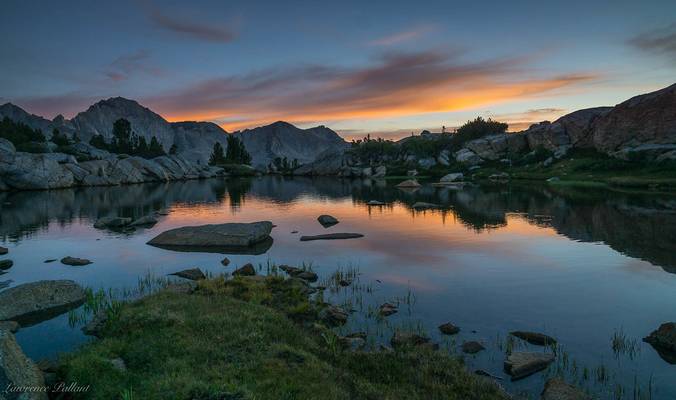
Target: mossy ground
point(252, 339)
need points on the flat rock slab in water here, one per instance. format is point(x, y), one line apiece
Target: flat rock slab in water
point(331, 236)
point(472, 347)
point(557, 389)
point(424, 206)
point(522, 364)
point(534, 338)
point(663, 341)
point(34, 302)
point(146, 221)
point(375, 203)
point(194, 274)
point(220, 236)
point(111, 222)
point(18, 370)
point(74, 261)
point(407, 339)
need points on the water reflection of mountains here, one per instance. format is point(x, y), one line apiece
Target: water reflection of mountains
point(638, 225)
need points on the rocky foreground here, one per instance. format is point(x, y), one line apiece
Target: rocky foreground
point(28, 171)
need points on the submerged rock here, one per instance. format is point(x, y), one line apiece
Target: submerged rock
point(333, 315)
point(145, 221)
point(327, 220)
point(111, 222)
point(3, 251)
point(539, 339)
point(558, 389)
point(663, 341)
point(6, 264)
point(409, 183)
point(245, 270)
point(387, 309)
point(17, 370)
point(472, 347)
point(34, 302)
point(221, 236)
point(406, 339)
point(331, 236)
point(449, 329)
point(225, 262)
point(74, 261)
point(307, 276)
point(522, 364)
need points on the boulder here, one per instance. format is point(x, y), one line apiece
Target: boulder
point(454, 177)
point(6, 264)
point(522, 364)
point(427, 163)
point(412, 172)
point(307, 276)
point(387, 309)
point(353, 340)
point(3, 251)
point(33, 302)
point(76, 262)
point(225, 262)
point(663, 340)
point(558, 389)
point(448, 329)
point(194, 274)
point(472, 347)
point(333, 315)
point(27, 171)
point(444, 158)
point(17, 370)
point(145, 221)
point(410, 183)
point(111, 222)
point(224, 236)
point(331, 236)
point(327, 220)
point(380, 172)
point(534, 338)
point(246, 270)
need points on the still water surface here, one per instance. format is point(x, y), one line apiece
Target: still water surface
point(578, 264)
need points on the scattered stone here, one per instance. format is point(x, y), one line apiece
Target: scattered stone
point(11, 326)
point(344, 282)
point(111, 222)
point(558, 389)
point(331, 236)
point(3, 251)
point(194, 274)
point(17, 370)
point(307, 276)
point(663, 341)
point(448, 329)
point(51, 260)
point(246, 270)
point(522, 364)
point(6, 264)
point(34, 302)
point(145, 221)
point(420, 205)
point(472, 347)
point(535, 338)
point(409, 183)
point(327, 220)
point(290, 270)
point(225, 261)
point(74, 261)
point(95, 326)
point(353, 340)
point(375, 203)
point(333, 315)
point(387, 309)
point(118, 364)
point(405, 339)
point(294, 232)
point(231, 235)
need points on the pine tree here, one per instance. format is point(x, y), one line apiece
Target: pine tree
point(155, 149)
point(217, 156)
point(173, 150)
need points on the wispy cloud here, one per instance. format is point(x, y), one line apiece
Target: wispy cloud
point(522, 120)
point(182, 26)
point(123, 67)
point(393, 85)
point(403, 36)
point(659, 41)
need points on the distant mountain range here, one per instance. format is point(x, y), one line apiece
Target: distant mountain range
point(194, 140)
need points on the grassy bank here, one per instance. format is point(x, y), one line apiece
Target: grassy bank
point(252, 338)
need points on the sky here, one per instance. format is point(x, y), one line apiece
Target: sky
point(386, 68)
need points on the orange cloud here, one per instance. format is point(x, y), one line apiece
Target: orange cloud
point(396, 85)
